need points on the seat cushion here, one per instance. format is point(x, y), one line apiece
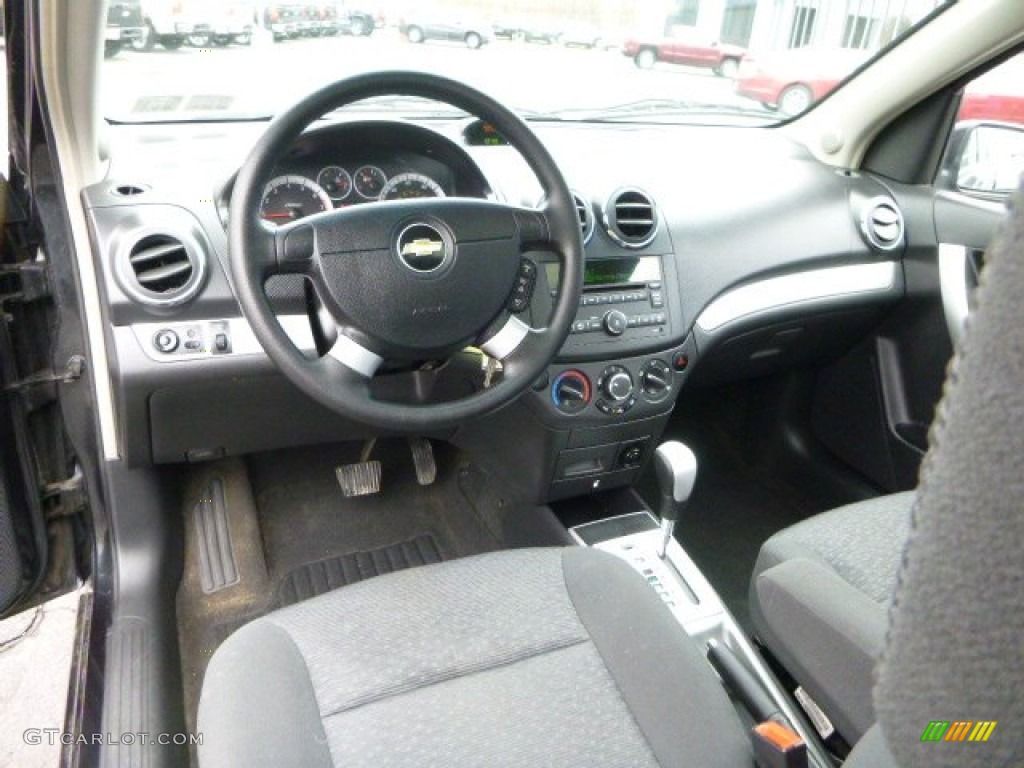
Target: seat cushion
point(819, 601)
point(530, 657)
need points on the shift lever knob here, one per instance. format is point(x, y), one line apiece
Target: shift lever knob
point(676, 470)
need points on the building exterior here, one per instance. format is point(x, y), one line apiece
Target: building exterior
point(780, 24)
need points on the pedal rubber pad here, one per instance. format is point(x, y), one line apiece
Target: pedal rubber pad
point(423, 459)
point(362, 479)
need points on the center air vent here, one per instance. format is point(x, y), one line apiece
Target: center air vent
point(882, 224)
point(631, 218)
point(586, 216)
point(161, 270)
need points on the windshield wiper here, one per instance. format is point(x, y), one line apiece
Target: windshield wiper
point(656, 108)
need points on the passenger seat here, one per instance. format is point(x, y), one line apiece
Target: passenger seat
point(819, 600)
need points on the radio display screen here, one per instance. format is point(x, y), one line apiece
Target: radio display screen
point(598, 272)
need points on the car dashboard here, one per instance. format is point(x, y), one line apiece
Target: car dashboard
point(712, 254)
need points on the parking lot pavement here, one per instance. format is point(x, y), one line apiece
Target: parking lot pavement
point(262, 78)
point(35, 662)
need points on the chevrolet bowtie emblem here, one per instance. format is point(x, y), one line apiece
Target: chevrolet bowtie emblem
point(422, 247)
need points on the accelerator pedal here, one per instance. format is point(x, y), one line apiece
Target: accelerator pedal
point(423, 459)
point(361, 478)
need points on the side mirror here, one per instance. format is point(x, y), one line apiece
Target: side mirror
point(985, 158)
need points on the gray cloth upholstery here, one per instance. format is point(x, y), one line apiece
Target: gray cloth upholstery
point(872, 751)
point(819, 597)
point(956, 640)
point(530, 657)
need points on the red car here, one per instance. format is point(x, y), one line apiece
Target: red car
point(791, 81)
point(722, 58)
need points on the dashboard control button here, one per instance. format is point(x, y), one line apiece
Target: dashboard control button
point(680, 362)
point(656, 380)
point(221, 343)
point(193, 345)
point(570, 391)
point(165, 341)
point(657, 299)
point(615, 322)
point(617, 392)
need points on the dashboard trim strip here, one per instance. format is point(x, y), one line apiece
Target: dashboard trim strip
point(243, 340)
point(954, 288)
point(797, 289)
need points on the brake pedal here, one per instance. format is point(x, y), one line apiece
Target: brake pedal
point(423, 459)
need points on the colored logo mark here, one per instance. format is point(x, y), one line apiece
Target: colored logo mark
point(959, 730)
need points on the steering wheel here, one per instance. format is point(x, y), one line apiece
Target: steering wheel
point(408, 280)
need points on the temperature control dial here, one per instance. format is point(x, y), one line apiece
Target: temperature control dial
point(656, 380)
point(570, 391)
point(617, 390)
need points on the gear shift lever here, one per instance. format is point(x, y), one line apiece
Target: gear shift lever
point(676, 468)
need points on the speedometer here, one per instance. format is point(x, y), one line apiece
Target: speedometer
point(409, 185)
point(288, 198)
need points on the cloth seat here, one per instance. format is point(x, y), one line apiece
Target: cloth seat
point(819, 599)
point(551, 657)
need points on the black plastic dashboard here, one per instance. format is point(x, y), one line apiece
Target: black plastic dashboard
point(713, 252)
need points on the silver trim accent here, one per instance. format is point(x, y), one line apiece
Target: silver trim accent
point(128, 281)
point(507, 340)
point(355, 356)
point(795, 289)
point(613, 231)
point(868, 230)
point(955, 290)
point(243, 340)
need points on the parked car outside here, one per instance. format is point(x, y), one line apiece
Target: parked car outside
point(685, 48)
point(124, 26)
point(791, 81)
point(172, 23)
point(357, 22)
point(282, 19)
point(584, 36)
point(446, 27)
point(231, 21)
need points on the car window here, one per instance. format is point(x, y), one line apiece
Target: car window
point(711, 61)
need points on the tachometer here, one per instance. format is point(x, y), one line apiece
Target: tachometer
point(369, 181)
point(408, 185)
point(336, 181)
point(287, 198)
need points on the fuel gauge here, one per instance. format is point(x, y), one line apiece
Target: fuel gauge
point(336, 181)
point(370, 181)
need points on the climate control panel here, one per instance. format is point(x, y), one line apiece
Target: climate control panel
point(600, 392)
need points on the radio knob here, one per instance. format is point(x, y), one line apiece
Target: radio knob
point(615, 322)
point(616, 384)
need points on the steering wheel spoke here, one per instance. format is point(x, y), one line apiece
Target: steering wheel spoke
point(355, 357)
point(293, 249)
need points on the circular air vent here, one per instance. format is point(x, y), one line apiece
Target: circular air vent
point(586, 216)
point(630, 218)
point(160, 269)
point(881, 223)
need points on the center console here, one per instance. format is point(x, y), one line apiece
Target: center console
point(635, 537)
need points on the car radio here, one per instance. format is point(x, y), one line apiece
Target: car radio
point(623, 298)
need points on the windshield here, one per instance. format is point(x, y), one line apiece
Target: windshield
point(708, 61)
